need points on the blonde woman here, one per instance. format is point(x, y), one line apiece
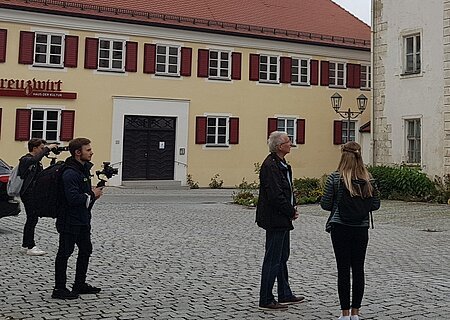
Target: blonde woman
point(350, 195)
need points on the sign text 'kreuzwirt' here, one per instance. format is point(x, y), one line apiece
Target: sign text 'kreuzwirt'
point(34, 89)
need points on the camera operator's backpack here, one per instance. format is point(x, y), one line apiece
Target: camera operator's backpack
point(15, 183)
point(48, 190)
point(353, 210)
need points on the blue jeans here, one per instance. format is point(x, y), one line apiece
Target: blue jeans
point(275, 267)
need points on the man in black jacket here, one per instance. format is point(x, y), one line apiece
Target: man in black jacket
point(74, 221)
point(275, 212)
point(29, 166)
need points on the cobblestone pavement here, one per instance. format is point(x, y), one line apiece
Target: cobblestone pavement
point(191, 254)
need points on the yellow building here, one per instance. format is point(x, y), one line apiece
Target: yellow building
point(164, 91)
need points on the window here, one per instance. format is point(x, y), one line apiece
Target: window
point(413, 140)
point(45, 124)
point(336, 74)
point(111, 55)
point(219, 64)
point(344, 131)
point(48, 50)
point(412, 63)
point(268, 68)
point(366, 77)
point(167, 60)
point(300, 71)
point(217, 131)
point(287, 125)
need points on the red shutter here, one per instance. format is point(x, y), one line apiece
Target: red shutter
point(337, 132)
point(350, 75)
point(26, 47)
point(203, 62)
point(149, 58)
point(3, 38)
point(67, 125)
point(1, 121)
point(186, 62)
point(272, 125)
point(71, 52)
point(254, 67)
point(23, 120)
point(91, 53)
point(324, 73)
point(234, 130)
point(131, 56)
point(300, 131)
point(314, 72)
point(286, 70)
point(357, 76)
point(200, 130)
point(236, 58)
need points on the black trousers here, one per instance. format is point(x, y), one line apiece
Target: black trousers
point(31, 222)
point(350, 246)
point(81, 236)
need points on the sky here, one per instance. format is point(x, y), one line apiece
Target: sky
point(359, 8)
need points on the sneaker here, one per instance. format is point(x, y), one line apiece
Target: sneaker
point(85, 289)
point(291, 300)
point(354, 317)
point(35, 251)
point(344, 318)
point(64, 294)
point(274, 306)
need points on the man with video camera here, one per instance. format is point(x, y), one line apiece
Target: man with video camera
point(29, 166)
point(74, 220)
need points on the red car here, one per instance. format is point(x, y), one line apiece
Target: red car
point(8, 205)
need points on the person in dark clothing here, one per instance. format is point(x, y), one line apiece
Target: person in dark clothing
point(350, 236)
point(29, 166)
point(275, 212)
point(74, 221)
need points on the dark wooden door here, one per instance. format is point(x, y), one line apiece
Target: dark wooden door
point(148, 148)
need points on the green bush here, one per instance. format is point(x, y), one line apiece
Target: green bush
point(247, 193)
point(308, 190)
point(216, 183)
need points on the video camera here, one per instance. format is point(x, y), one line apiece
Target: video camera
point(58, 149)
point(105, 174)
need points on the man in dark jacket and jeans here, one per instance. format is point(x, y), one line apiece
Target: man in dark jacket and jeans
point(74, 221)
point(275, 212)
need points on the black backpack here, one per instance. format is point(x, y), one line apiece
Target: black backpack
point(354, 210)
point(48, 191)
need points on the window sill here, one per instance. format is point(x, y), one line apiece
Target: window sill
point(411, 75)
point(217, 146)
point(110, 71)
point(167, 75)
point(219, 79)
point(48, 66)
point(299, 84)
point(337, 87)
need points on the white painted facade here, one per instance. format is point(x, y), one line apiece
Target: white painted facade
point(399, 95)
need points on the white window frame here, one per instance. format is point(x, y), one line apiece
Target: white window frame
point(167, 63)
point(414, 139)
point(267, 66)
point(219, 64)
point(416, 53)
point(366, 76)
point(352, 129)
point(333, 77)
point(110, 57)
point(300, 68)
point(48, 50)
point(45, 122)
point(292, 134)
point(216, 135)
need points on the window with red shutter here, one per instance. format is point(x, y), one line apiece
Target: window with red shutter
point(149, 58)
point(286, 69)
point(91, 53)
point(350, 75)
point(26, 47)
point(272, 125)
point(200, 130)
point(3, 39)
point(324, 73)
point(203, 62)
point(314, 72)
point(186, 62)
point(67, 125)
point(236, 58)
point(234, 130)
point(254, 67)
point(23, 120)
point(131, 56)
point(300, 131)
point(337, 132)
point(71, 51)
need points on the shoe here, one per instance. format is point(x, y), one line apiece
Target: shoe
point(23, 250)
point(35, 251)
point(64, 294)
point(85, 289)
point(344, 318)
point(291, 300)
point(274, 306)
point(354, 317)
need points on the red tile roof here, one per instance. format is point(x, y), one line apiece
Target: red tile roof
point(310, 21)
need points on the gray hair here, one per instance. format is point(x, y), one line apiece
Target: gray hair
point(275, 138)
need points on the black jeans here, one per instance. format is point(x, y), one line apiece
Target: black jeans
point(275, 267)
point(31, 222)
point(350, 245)
point(81, 236)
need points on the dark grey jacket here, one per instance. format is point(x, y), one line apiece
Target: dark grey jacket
point(333, 192)
point(29, 167)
